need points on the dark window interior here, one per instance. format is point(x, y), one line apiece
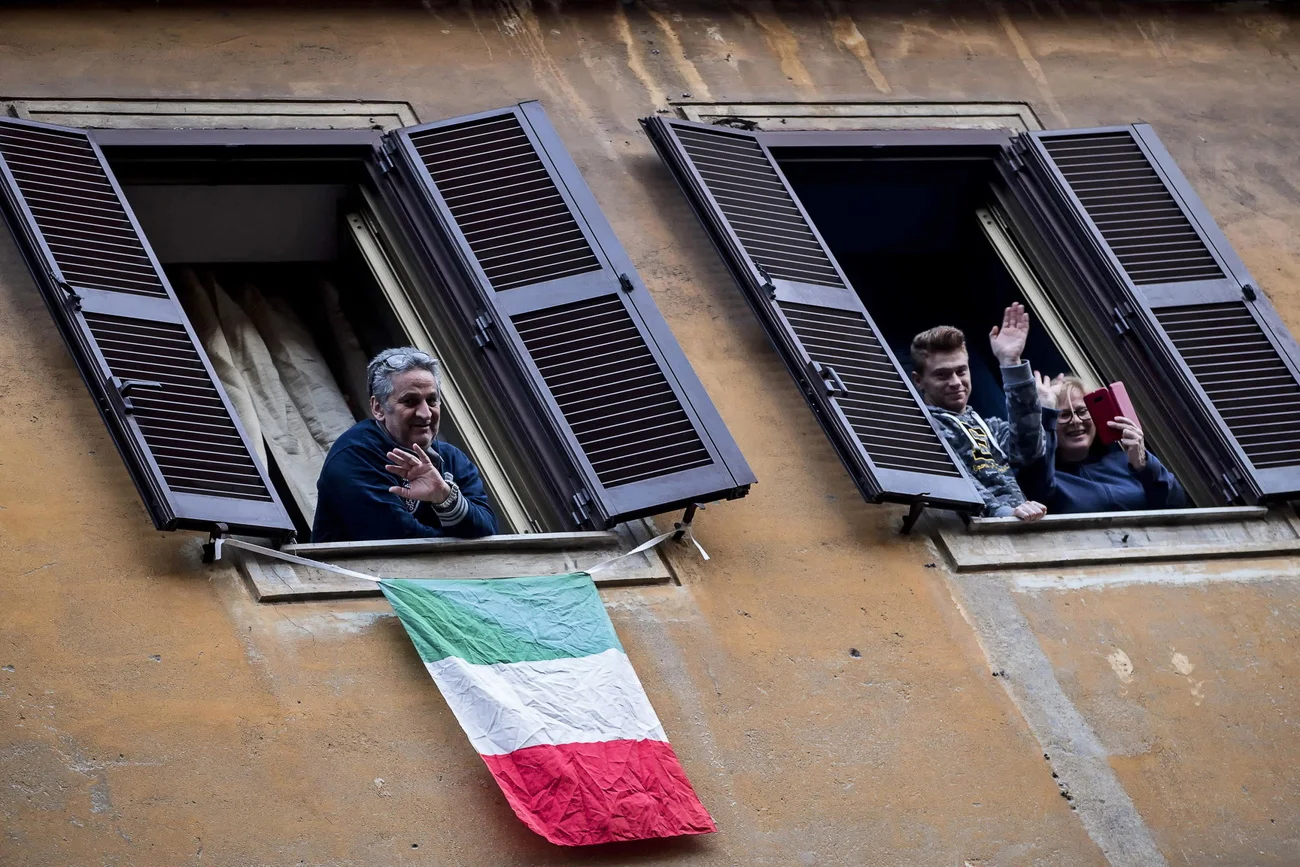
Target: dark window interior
point(905, 232)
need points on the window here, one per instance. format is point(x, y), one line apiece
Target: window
point(1096, 230)
point(474, 237)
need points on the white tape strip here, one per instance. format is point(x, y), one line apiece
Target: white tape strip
point(288, 558)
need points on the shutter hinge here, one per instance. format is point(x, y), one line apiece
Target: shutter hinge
point(481, 325)
point(625, 282)
point(581, 513)
point(767, 286)
point(1231, 479)
point(119, 393)
point(1014, 160)
point(1121, 322)
point(832, 385)
point(1248, 292)
point(384, 159)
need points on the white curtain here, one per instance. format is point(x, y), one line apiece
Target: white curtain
point(277, 379)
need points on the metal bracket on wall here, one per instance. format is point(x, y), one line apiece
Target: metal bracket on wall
point(219, 531)
point(682, 527)
point(913, 515)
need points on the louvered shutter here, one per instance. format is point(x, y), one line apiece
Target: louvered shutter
point(1185, 297)
point(168, 414)
point(817, 321)
point(565, 322)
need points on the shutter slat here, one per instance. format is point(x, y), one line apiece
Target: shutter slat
point(581, 359)
point(1124, 158)
point(814, 317)
point(173, 424)
point(493, 150)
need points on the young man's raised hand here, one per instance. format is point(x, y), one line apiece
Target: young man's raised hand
point(1008, 340)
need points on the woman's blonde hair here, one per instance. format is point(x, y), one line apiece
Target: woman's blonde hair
point(1069, 385)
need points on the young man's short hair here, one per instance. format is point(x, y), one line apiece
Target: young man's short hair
point(941, 338)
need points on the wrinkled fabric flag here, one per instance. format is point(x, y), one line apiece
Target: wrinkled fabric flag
point(538, 680)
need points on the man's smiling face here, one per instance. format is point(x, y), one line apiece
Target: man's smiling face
point(945, 383)
point(410, 415)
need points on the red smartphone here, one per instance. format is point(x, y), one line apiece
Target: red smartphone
point(1106, 404)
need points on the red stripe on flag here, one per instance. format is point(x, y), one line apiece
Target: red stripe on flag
point(585, 793)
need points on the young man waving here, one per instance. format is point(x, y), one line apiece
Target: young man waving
point(990, 448)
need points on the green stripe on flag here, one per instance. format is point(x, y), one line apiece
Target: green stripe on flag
point(503, 619)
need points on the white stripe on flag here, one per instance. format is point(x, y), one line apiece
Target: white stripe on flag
point(512, 705)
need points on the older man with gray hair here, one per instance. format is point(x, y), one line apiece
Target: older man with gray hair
point(389, 477)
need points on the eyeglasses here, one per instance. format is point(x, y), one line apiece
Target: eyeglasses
point(1069, 415)
point(399, 361)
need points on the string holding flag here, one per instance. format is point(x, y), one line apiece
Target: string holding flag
point(539, 681)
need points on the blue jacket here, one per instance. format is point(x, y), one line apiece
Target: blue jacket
point(1102, 482)
point(354, 503)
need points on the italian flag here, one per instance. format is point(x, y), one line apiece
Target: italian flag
point(538, 680)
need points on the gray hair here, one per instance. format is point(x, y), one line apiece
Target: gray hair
point(380, 370)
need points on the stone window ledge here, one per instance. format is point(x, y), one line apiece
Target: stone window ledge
point(1116, 538)
point(490, 557)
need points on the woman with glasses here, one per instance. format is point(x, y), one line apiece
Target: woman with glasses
point(1080, 473)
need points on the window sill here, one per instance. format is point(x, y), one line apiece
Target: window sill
point(490, 557)
point(1096, 520)
point(1117, 538)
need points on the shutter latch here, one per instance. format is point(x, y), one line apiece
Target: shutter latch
point(768, 286)
point(1248, 292)
point(832, 385)
point(625, 282)
point(481, 325)
point(581, 513)
point(74, 297)
point(120, 393)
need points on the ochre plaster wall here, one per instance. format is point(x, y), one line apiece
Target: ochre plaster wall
point(156, 715)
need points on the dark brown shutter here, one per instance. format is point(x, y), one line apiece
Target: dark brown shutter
point(167, 412)
point(565, 321)
point(1184, 296)
point(814, 317)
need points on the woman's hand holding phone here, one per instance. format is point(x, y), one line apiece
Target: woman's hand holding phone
point(1131, 440)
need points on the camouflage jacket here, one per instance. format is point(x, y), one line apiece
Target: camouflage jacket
point(992, 449)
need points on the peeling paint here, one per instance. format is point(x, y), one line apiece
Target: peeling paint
point(1121, 665)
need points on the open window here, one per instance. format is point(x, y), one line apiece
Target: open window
point(1096, 232)
point(221, 291)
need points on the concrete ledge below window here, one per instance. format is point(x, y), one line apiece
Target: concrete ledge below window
point(490, 557)
point(1072, 541)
